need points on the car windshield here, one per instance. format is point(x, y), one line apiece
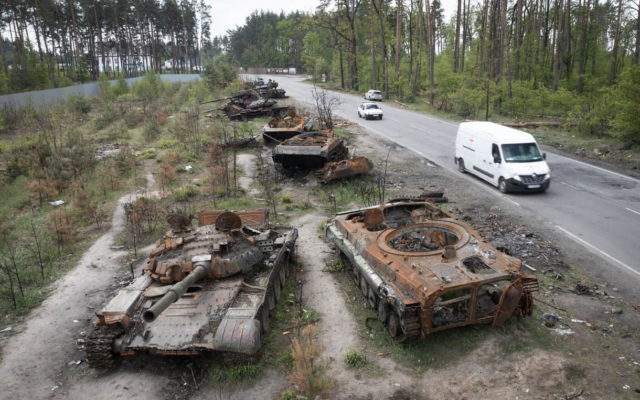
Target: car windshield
point(371, 106)
point(521, 152)
point(375, 92)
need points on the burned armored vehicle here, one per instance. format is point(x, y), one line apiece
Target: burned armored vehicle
point(343, 169)
point(285, 126)
point(203, 289)
point(423, 271)
point(248, 104)
point(310, 150)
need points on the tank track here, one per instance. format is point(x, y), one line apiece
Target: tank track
point(410, 323)
point(410, 320)
point(98, 347)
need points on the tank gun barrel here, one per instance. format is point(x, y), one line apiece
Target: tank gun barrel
point(175, 293)
point(214, 100)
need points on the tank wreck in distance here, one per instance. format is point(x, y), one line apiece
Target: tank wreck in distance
point(423, 271)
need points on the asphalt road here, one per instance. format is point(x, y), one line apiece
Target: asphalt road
point(597, 208)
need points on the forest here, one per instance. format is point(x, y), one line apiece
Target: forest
point(53, 43)
point(575, 62)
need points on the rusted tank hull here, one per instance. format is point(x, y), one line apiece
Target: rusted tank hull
point(222, 304)
point(281, 128)
point(310, 150)
point(344, 169)
point(423, 271)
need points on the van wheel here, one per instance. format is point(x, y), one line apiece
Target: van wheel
point(502, 185)
point(461, 165)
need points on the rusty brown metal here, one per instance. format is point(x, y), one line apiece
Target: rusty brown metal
point(258, 218)
point(424, 271)
point(208, 288)
point(344, 169)
point(310, 150)
point(283, 127)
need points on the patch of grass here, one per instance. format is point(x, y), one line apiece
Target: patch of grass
point(286, 199)
point(186, 192)
point(309, 315)
point(347, 193)
point(233, 375)
point(168, 144)
point(355, 359)
point(237, 203)
point(305, 205)
point(343, 133)
point(441, 349)
point(336, 266)
point(288, 394)
point(147, 154)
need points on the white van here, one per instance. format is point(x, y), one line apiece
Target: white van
point(508, 158)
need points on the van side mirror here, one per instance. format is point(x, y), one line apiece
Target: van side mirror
point(497, 160)
point(544, 156)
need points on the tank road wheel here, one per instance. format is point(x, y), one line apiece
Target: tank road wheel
point(393, 327)
point(276, 289)
point(270, 301)
point(364, 288)
point(265, 322)
point(283, 276)
point(98, 347)
point(345, 261)
point(372, 298)
point(383, 311)
point(461, 165)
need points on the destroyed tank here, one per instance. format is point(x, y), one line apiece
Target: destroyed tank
point(423, 271)
point(310, 150)
point(283, 127)
point(344, 169)
point(203, 289)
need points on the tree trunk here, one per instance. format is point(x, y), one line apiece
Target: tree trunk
point(613, 69)
point(383, 44)
point(584, 40)
point(456, 44)
point(398, 43)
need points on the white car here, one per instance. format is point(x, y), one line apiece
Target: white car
point(369, 110)
point(373, 95)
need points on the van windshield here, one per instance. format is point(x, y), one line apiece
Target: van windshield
point(521, 152)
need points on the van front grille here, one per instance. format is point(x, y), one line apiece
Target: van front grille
point(532, 179)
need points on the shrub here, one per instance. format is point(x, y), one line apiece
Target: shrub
point(150, 132)
point(355, 359)
point(79, 104)
point(186, 192)
point(147, 154)
point(107, 117)
point(133, 118)
point(627, 92)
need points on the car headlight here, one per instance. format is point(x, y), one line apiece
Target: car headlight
point(516, 177)
point(547, 176)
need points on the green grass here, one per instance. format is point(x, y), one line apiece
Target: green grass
point(444, 348)
point(236, 374)
point(356, 359)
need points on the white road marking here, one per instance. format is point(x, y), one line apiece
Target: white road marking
point(513, 201)
point(571, 186)
point(598, 250)
point(632, 210)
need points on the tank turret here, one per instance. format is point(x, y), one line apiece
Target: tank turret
point(209, 288)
